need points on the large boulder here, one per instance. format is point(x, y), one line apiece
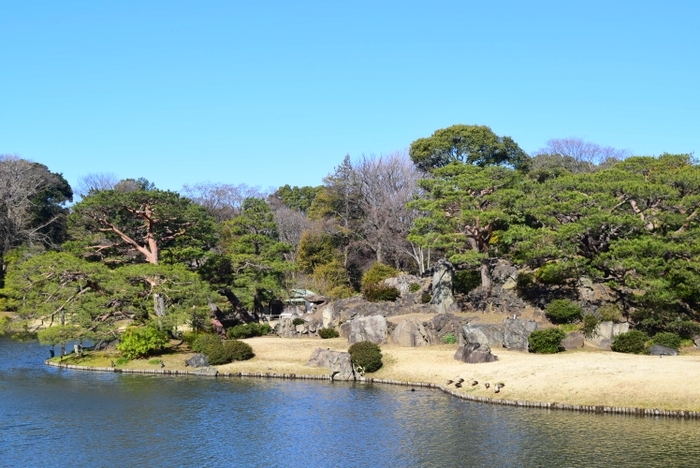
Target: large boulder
point(516, 332)
point(412, 332)
point(573, 340)
point(658, 350)
point(337, 362)
point(368, 329)
point(605, 332)
point(403, 283)
point(490, 334)
point(475, 353)
point(198, 360)
point(443, 299)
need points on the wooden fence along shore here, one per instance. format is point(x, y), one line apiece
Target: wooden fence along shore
point(642, 412)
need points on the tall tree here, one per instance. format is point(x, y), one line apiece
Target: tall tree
point(467, 144)
point(142, 225)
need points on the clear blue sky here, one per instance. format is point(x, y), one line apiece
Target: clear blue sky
point(274, 92)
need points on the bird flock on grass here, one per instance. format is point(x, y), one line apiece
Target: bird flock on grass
point(458, 384)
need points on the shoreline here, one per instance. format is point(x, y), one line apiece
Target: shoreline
point(290, 355)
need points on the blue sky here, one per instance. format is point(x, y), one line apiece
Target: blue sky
point(277, 92)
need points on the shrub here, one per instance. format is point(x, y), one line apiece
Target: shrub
point(525, 280)
point(553, 273)
point(425, 298)
point(203, 342)
point(141, 341)
point(378, 273)
point(413, 287)
point(449, 339)
point(633, 342)
point(668, 339)
point(366, 356)
point(326, 333)
point(546, 341)
point(228, 351)
point(248, 330)
point(380, 292)
point(590, 322)
point(563, 311)
point(298, 321)
point(466, 280)
point(610, 313)
point(341, 292)
point(686, 328)
point(121, 361)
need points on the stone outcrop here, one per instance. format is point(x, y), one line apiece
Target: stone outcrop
point(443, 299)
point(516, 333)
point(658, 350)
point(475, 353)
point(490, 334)
point(285, 328)
point(198, 360)
point(372, 329)
point(502, 297)
point(573, 340)
point(207, 371)
point(605, 332)
point(403, 283)
point(336, 313)
point(412, 332)
point(337, 362)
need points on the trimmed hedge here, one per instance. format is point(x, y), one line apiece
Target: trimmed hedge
point(380, 292)
point(326, 333)
point(632, 342)
point(563, 311)
point(366, 355)
point(668, 339)
point(546, 341)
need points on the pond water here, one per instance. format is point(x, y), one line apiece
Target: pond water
point(55, 417)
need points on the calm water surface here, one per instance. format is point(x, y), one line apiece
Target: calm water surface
point(62, 418)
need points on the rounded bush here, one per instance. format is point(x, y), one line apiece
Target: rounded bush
point(449, 339)
point(380, 292)
point(668, 339)
point(298, 321)
point(204, 342)
point(139, 342)
point(378, 273)
point(425, 298)
point(466, 281)
point(326, 333)
point(563, 311)
point(546, 341)
point(610, 313)
point(553, 273)
point(228, 351)
point(413, 287)
point(366, 355)
point(248, 330)
point(633, 342)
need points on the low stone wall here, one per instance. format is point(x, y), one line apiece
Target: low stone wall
point(597, 409)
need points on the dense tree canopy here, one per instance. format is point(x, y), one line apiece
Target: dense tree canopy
point(467, 144)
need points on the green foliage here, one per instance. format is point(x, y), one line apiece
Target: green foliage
point(413, 287)
point(57, 334)
point(203, 342)
point(137, 342)
point(563, 311)
point(553, 273)
point(378, 273)
point(380, 292)
point(525, 280)
point(138, 226)
point(4, 324)
point(332, 280)
point(248, 330)
point(466, 144)
point(547, 341)
point(315, 249)
point(425, 298)
point(633, 342)
point(155, 362)
point(121, 361)
point(466, 280)
point(449, 339)
point(219, 352)
point(590, 322)
point(341, 292)
point(327, 333)
point(366, 356)
point(610, 313)
point(297, 198)
point(298, 321)
point(668, 339)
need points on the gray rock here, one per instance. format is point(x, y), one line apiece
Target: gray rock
point(605, 332)
point(516, 333)
point(412, 332)
point(403, 283)
point(337, 362)
point(490, 334)
point(475, 353)
point(658, 350)
point(207, 371)
point(573, 340)
point(443, 299)
point(368, 329)
point(696, 340)
point(198, 360)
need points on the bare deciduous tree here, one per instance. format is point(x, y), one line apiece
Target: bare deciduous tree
point(94, 182)
point(222, 201)
point(584, 151)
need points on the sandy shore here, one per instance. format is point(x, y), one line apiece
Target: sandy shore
point(583, 377)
